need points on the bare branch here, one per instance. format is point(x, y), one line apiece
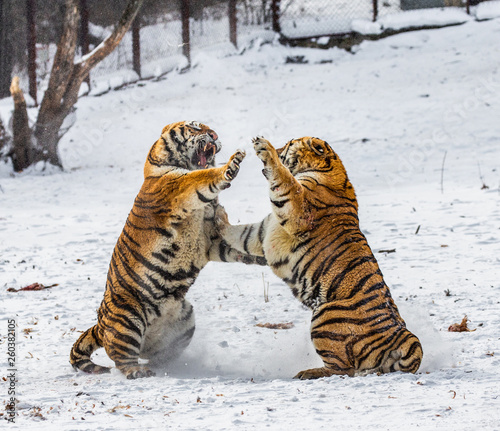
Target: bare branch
point(87, 62)
point(83, 66)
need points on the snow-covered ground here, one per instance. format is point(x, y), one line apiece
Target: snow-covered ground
point(393, 111)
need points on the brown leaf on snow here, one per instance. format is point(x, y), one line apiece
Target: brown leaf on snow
point(460, 327)
point(287, 325)
point(118, 407)
point(34, 286)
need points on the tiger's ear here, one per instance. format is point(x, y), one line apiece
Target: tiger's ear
point(317, 146)
point(195, 125)
point(329, 150)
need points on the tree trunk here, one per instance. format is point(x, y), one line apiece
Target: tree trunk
point(51, 116)
point(61, 95)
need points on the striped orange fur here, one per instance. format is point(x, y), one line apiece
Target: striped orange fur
point(313, 242)
point(169, 236)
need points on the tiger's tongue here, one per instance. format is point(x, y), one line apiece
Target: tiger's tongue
point(203, 159)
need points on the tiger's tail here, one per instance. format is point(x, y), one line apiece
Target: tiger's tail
point(84, 347)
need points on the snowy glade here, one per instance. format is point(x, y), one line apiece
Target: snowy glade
point(414, 117)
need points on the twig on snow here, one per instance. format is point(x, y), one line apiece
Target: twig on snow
point(442, 170)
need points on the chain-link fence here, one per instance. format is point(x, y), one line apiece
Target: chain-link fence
point(166, 34)
point(308, 18)
point(161, 39)
point(312, 18)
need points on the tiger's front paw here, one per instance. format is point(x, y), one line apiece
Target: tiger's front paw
point(220, 220)
point(265, 151)
point(233, 166)
point(268, 154)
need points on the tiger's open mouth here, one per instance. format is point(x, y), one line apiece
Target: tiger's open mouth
point(205, 154)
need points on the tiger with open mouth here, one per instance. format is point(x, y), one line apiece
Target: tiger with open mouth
point(169, 236)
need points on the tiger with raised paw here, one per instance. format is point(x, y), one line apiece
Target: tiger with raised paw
point(169, 236)
point(313, 242)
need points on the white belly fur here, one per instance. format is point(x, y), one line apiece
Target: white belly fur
point(164, 331)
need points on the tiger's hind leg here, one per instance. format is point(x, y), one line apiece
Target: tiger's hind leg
point(316, 373)
point(169, 335)
point(406, 358)
point(129, 365)
point(123, 347)
point(337, 358)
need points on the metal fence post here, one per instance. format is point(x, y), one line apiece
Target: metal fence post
point(31, 44)
point(5, 48)
point(136, 44)
point(185, 13)
point(233, 34)
point(375, 10)
point(84, 26)
point(275, 9)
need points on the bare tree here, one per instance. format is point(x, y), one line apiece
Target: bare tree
point(41, 143)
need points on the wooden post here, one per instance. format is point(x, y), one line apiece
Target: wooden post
point(185, 13)
point(468, 7)
point(31, 45)
point(84, 27)
point(275, 9)
point(22, 150)
point(136, 44)
point(375, 10)
point(233, 22)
